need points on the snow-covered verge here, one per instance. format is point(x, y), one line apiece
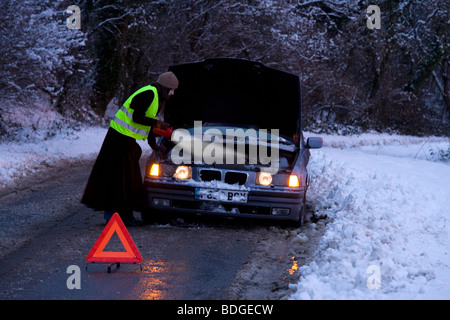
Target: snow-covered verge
point(386, 199)
point(22, 159)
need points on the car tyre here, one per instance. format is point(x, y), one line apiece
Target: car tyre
point(301, 215)
point(147, 217)
point(151, 217)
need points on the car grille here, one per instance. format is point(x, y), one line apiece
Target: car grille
point(235, 177)
point(210, 175)
point(230, 177)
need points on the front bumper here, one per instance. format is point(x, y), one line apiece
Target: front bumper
point(276, 204)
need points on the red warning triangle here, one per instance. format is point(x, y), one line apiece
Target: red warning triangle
point(131, 255)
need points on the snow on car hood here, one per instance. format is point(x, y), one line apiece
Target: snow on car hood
point(235, 91)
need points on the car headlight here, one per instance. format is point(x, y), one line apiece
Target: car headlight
point(183, 172)
point(264, 178)
point(294, 181)
point(154, 170)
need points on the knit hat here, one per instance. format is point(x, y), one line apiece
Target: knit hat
point(168, 80)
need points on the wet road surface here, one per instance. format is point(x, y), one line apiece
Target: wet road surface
point(185, 259)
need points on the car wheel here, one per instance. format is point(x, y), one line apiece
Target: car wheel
point(151, 217)
point(301, 215)
point(146, 216)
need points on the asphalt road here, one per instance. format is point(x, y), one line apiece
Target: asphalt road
point(46, 231)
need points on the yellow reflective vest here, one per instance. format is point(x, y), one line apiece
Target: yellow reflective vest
point(123, 120)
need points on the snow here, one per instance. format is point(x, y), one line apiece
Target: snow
point(385, 198)
point(387, 207)
point(18, 160)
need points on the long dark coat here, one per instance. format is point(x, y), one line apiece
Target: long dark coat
point(115, 183)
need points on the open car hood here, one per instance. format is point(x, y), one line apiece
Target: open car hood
point(235, 91)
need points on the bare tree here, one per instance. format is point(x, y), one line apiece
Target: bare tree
point(394, 78)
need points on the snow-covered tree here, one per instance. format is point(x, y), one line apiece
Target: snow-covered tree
point(353, 77)
point(39, 56)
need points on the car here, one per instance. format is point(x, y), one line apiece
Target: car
point(237, 148)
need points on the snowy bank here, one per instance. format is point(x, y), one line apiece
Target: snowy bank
point(19, 159)
point(387, 204)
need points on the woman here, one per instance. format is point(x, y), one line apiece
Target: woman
point(115, 183)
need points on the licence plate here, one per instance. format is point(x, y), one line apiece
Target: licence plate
point(221, 195)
